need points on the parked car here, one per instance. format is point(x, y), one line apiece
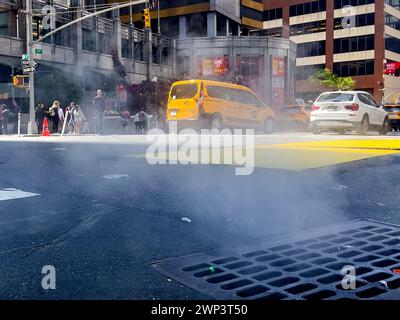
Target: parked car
point(295, 117)
point(393, 111)
point(343, 111)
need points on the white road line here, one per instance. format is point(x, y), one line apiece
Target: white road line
point(115, 176)
point(11, 193)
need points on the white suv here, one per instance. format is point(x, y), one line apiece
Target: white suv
point(343, 111)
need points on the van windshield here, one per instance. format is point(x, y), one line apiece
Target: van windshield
point(184, 91)
point(336, 97)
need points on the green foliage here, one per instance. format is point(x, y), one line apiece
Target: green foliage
point(55, 84)
point(327, 79)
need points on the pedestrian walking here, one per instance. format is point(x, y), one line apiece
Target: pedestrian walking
point(143, 121)
point(54, 116)
point(99, 109)
point(16, 111)
point(136, 121)
point(39, 117)
point(79, 119)
point(125, 118)
point(4, 119)
point(69, 113)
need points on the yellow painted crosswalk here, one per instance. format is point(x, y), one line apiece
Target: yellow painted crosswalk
point(309, 155)
point(299, 156)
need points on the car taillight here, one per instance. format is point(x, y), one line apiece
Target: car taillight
point(315, 108)
point(353, 107)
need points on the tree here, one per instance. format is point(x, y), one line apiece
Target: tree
point(327, 79)
point(55, 84)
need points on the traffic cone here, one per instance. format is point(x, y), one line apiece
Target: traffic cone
point(45, 131)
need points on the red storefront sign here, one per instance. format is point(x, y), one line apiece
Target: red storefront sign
point(278, 80)
point(391, 68)
point(213, 66)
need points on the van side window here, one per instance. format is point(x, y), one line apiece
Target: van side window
point(216, 92)
point(222, 93)
point(248, 98)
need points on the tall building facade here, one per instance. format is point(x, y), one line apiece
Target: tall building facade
point(350, 37)
point(200, 18)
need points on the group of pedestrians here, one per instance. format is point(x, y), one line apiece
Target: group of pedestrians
point(73, 116)
point(72, 119)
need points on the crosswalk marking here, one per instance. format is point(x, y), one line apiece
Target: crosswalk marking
point(11, 193)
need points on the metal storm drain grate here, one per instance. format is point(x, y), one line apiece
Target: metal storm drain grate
point(298, 266)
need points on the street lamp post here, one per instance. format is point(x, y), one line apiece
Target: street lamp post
point(29, 42)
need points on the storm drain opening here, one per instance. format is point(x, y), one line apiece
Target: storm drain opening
point(299, 266)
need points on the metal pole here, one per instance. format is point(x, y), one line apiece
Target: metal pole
point(29, 42)
point(158, 17)
point(19, 124)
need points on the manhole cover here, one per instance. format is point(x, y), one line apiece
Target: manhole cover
point(298, 266)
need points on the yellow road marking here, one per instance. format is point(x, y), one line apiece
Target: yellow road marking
point(299, 156)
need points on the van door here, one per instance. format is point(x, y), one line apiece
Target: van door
point(221, 100)
point(250, 111)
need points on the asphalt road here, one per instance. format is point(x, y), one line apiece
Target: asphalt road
point(101, 234)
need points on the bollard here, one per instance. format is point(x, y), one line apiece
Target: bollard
point(65, 123)
point(19, 124)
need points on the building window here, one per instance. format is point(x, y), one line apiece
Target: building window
point(307, 28)
point(311, 49)
point(362, 20)
point(307, 8)
point(339, 4)
point(392, 44)
point(196, 25)
point(353, 44)
point(273, 14)
point(88, 40)
point(4, 23)
point(354, 68)
point(393, 3)
point(392, 21)
point(305, 72)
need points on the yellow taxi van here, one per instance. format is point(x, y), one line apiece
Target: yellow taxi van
point(216, 105)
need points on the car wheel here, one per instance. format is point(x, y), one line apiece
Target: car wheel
point(363, 127)
point(385, 127)
point(269, 126)
point(216, 122)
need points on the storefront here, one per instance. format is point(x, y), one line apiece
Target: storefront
point(266, 65)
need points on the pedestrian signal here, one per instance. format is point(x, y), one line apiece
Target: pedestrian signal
point(20, 81)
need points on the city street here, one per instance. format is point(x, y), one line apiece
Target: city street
point(93, 208)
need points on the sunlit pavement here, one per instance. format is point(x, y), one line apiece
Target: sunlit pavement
point(96, 210)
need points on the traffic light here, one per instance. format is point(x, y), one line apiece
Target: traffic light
point(19, 81)
point(146, 20)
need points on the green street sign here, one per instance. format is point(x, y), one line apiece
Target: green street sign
point(25, 56)
point(38, 51)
